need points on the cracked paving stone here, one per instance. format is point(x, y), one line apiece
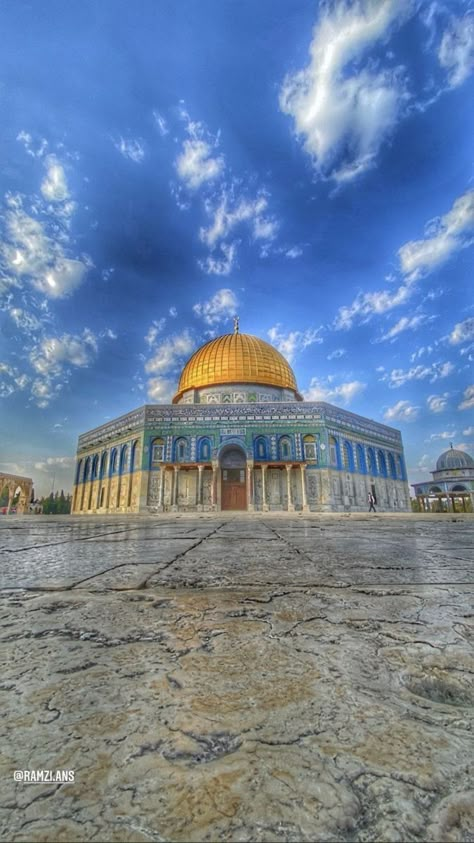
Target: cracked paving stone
point(237, 679)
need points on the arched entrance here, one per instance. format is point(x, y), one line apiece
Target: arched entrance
point(233, 486)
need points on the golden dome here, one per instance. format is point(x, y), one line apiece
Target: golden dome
point(236, 358)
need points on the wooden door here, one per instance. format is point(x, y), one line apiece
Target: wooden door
point(233, 490)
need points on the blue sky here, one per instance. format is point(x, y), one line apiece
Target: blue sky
point(166, 165)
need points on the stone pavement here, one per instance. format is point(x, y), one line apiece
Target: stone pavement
point(241, 678)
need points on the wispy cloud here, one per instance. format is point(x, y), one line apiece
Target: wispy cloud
point(161, 123)
point(456, 51)
point(198, 161)
point(343, 109)
point(438, 403)
point(54, 185)
point(336, 354)
point(468, 399)
point(402, 411)
point(444, 435)
point(221, 262)
point(221, 307)
point(168, 356)
point(131, 148)
point(343, 393)
point(30, 253)
point(406, 323)
point(398, 377)
point(292, 342)
point(462, 332)
point(444, 236)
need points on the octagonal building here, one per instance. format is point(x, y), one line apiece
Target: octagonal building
point(238, 436)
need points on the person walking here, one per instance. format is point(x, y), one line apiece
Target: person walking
point(371, 500)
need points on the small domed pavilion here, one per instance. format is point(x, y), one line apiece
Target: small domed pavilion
point(452, 487)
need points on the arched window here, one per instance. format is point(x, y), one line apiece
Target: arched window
point(348, 456)
point(333, 450)
point(372, 462)
point(124, 459)
point(78, 471)
point(103, 465)
point(87, 469)
point(285, 448)
point(95, 466)
point(382, 463)
point(204, 449)
point(392, 467)
point(361, 463)
point(180, 450)
point(260, 448)
point(157, 450)
point(133, 455)
point(400, 467)
point(309, 445)
point(113, 461)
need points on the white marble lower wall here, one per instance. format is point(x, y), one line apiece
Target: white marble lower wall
point(326, 490)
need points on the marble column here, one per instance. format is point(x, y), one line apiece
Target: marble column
point(174, 497)
point(214, 486)
point(264, 488)
point(291, 506)
point(303, 487)
point(161, 488)
point(10, 499)
point(250, 501)
point(199, 487)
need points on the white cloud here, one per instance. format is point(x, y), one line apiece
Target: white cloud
point(222, 262)
point(456, 51)
point(445, 235)
point(161, 123)
point(170, 353)
point(221, 307)
point(161, 390)
point(196, 164)
point(462, 332)
point(24, 320)
point(294, 341)
point(229, 213)
point(445, 434)
point(28, 252)
point(398, 377)
point(35, 151)
point(344, 393)
point(173, 312)
point(54, 353)
point(342, 110)
point(336, 354)
point(468, 399)
point(155, 328)
point(294, 252)
point(55, 462)
point(405, 324)
point(366, 305)
point(133, 148)
point(402, 411)
point(54, 185)
point(437, 403)
point(11, 380)
point(468, 431)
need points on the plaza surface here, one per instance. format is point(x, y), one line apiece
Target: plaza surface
point(243, 678)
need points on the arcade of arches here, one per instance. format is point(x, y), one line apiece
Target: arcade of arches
point(16, 485)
